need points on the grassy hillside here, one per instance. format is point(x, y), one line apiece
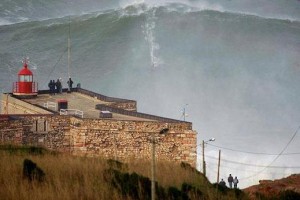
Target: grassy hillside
point(69, 177)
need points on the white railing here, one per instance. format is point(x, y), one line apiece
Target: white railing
point(71, 112)
point(50, 104)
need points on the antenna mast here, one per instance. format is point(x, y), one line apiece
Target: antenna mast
point(69, 53)
point(184, 112)
point(69, 56)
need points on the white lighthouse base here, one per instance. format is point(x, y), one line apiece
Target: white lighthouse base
point(25, 95)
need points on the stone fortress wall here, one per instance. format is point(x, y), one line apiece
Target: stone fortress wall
point(117, 139)
point(109, 138)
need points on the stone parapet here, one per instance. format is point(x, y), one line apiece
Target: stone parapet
point(125, 104)
point(13, 105)
point(131, 105)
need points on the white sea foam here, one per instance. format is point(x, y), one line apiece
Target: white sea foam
point(133, 10)
point(148, 30)
point(4, 22)
point(194, 6)
point(138, 7)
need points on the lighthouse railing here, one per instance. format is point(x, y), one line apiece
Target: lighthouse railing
point(34, 87)
point(16, 87)
point(71, 112)
point(50, 104)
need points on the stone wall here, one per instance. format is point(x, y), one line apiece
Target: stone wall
point(16, 106)
point(11, 131)
point(50, 131)
point(132, 139)
point(131, 106)
point(121, 140)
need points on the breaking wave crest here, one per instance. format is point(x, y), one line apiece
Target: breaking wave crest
point(17, 11)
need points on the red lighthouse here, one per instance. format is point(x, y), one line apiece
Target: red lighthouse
point(25, 87)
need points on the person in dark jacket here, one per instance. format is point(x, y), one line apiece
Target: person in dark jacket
point(51, 86)
point(230, 180)
point(58, 86)
point(222, 183)
point(70, 84)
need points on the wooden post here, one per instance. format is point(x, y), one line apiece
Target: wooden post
point(218, 176)
point(203, 161)
point(153, 169)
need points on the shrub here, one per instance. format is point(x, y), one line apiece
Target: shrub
point(175, 194)
point(32, 172)
point(133, 185)
point(221, 188)
point(289, 195)
point(115, 164)
point(191, 191)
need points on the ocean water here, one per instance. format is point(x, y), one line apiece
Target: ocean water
point(233, 65)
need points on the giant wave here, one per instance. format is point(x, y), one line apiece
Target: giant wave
point(238, 73)
point(15, 11)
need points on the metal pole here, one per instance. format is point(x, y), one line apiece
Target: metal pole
point(69, 48)
point(153, 169)
point(69, 56)
point(203, 161)
point(114, 145)
point(163, 131)
point(69, 53)
point(6, 105)
point(218, 176)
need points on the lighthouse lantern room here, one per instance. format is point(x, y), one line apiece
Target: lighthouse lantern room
point(25, 87)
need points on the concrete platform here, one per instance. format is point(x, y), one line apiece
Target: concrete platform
point(80, 102)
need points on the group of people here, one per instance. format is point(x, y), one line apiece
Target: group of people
point(231, 181)
point(56, 87)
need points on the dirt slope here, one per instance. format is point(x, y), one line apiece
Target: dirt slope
point(269, 188)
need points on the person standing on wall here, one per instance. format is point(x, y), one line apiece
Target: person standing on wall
point(70, 83)
point(53, 87)
point(230, 180)
point(58, 86)
point(50, 85)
